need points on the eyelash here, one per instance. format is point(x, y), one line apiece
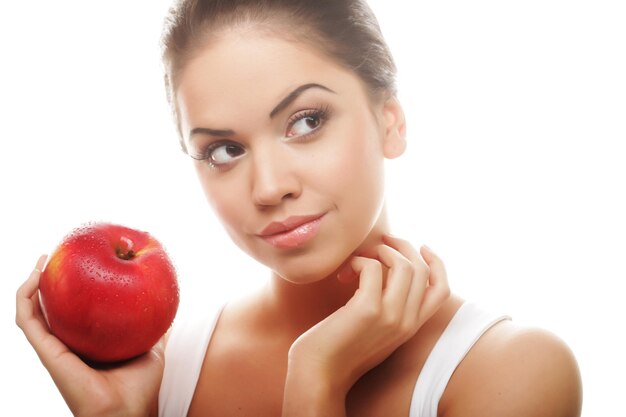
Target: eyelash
point(322, 112)
point(207, 151)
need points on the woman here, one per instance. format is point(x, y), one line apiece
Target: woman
point(288, 110)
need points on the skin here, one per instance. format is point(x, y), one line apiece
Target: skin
point(346, 313)
point(128, 390)
point(274, 178)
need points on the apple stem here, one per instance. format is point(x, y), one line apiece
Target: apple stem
point(124, 249)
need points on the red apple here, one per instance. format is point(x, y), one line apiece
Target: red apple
point(109, 292)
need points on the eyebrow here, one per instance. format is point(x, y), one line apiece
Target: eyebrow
point(294, 95)
point(211, 132)
point(279, 107)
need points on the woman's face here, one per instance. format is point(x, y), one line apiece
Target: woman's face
point(289, 150)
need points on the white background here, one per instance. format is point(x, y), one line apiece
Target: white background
point(514, 174)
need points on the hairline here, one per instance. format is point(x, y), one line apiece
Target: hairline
point(286, 31)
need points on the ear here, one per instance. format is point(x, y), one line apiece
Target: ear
point(394, 140)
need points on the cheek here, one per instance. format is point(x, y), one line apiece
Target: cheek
point(364, 187)
point(353, 165)
point(350, 173)
point(221, 198)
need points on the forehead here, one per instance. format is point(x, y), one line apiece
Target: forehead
point(246, 70)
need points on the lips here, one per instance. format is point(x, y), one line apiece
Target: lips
point(292, 232)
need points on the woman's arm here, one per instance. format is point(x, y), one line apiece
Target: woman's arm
point(130, 389)
point(326, 361)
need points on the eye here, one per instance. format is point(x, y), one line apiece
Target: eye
point(220, 153)
point(225, 153)
point(307, 122)
point(305, 125)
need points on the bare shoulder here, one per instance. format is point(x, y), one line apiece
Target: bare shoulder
point(515, 371)
point(241, 370)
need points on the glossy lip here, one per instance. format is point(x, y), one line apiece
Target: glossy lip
point(292, 232)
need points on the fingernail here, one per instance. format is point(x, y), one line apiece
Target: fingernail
point(345, 274)
point(41, 262)
point(427, 248)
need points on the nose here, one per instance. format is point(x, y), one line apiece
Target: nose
point(274, 178)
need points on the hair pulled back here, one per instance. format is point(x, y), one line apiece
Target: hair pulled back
point(345, 30)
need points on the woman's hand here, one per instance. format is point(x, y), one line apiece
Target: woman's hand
point(128, 389)
point(399, 290)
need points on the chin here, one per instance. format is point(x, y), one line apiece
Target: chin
point(301, 275)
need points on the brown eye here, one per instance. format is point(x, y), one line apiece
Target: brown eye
point(305, 123)
point(312, 122)
point(225, 153)
point(220, 153)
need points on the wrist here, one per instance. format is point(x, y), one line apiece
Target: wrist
point(310, 391)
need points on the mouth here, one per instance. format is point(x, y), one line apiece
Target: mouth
point(292, 232)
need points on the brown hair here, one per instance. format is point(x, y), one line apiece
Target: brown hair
point(346, 30)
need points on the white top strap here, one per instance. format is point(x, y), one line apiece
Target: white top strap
point(184, 356)
point(189, 339)
point(466, 327)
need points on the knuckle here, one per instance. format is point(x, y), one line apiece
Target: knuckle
point(391, 321)
point(422, 269)
point(437, 259)
point(438, 263)
point(373, 265)
point(369, 312)
point(21, 322)
point(441, 290)
point(405, 267)
point(409, 326)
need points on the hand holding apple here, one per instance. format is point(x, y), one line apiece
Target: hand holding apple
point(109, 292)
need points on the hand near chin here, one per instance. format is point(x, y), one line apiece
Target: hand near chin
point(126, 389)
point(381, 316)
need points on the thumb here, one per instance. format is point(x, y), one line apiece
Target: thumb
point(158, 350)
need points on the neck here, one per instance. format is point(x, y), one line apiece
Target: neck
point(299, 307)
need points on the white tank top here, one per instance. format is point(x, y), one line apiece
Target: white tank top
point(189, 340)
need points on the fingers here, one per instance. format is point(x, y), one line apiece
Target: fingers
point(346, 273)
point(430, 284)
point(400, 275)
point(416, 282)
point(405, 284)
point(29, 318)
point(370, 279)
point(27, 297)
point(438, 289)
point(29, 287)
